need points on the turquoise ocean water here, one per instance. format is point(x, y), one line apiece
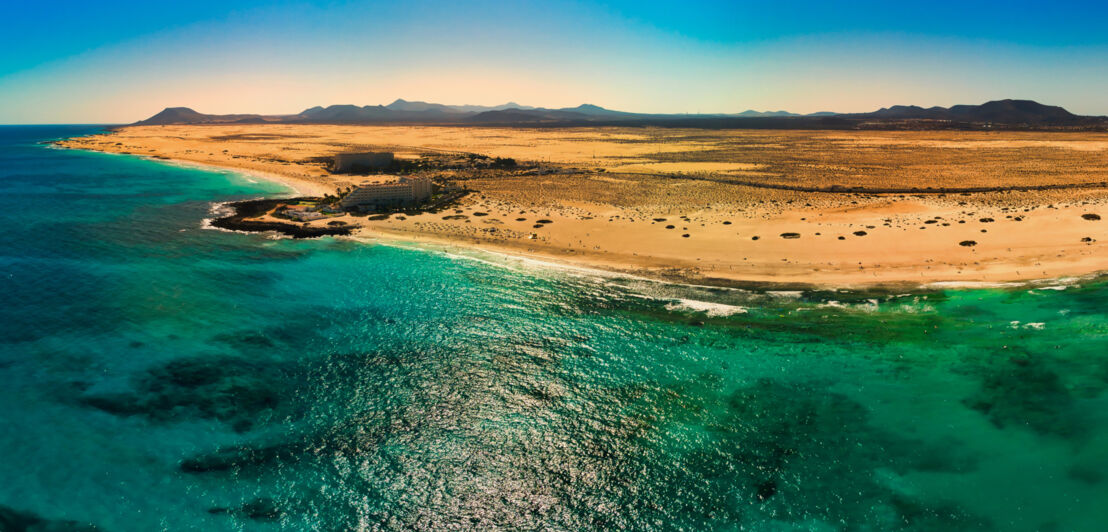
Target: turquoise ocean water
point(155, 375)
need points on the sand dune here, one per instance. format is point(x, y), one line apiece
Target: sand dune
point(693, 204)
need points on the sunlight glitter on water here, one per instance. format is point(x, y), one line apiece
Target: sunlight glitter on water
point(209, 380)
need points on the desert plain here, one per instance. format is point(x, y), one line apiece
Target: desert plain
point(791, 208)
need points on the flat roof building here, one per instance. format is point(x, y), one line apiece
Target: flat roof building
point(394, 192)
point(370, 160)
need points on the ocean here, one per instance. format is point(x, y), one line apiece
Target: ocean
point(160, 375)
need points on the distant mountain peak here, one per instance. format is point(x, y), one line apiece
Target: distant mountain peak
point(995, 111)
point(417, 106)
point(751, 113)
point(174, 115)
point(589, 109)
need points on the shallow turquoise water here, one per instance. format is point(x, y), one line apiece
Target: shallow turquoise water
point(157, 375)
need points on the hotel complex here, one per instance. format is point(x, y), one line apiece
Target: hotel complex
point(351, 162)
point(399, 191)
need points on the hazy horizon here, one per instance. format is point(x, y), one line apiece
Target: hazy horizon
point(126, 62)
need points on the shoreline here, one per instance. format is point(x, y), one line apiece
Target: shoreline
point(297, 187)
point(549, 262)
point(786, 239)
point(238, 221)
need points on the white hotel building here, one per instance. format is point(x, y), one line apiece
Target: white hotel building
point(394, 192)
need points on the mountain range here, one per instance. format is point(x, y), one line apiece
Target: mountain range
point(998, 113)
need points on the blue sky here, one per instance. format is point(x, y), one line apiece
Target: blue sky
point(111, 62)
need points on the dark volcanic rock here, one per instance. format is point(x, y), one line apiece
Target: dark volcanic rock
point(785, 463)
point(263, 509)
point(15, 521)
point(238, 391)
point(254, 208)
point(1026, 393)
point(230, 458)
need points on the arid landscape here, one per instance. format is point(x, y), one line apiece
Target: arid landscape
point(559, 265)
point(831, 208)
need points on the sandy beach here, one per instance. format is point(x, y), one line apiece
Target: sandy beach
point(834, 208)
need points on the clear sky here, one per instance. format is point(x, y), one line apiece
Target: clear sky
point(119, 61)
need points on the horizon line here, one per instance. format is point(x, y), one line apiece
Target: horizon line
point(536, 107)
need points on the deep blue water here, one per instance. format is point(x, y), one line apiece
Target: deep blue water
point(156, 375)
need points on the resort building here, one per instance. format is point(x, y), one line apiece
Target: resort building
point(346, 162)
point(394, 192)
point(302, 213)
point(303, 216)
